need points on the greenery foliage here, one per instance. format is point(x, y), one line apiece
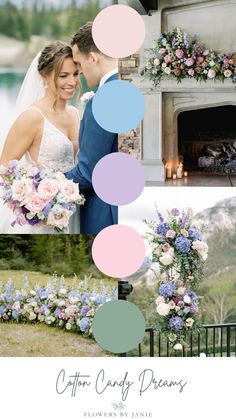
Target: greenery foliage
point(64, 254)
point(53, 22)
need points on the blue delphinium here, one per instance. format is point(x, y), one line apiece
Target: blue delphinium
point(84, 324)
point(162, 229)
point(167, 289)
point(176, 323)
point(182, 244)
point(15, 314)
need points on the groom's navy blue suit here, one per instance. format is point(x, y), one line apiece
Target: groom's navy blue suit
point(94, 143)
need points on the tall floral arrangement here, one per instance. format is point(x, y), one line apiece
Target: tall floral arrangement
point(177, 55)
point(180, 251)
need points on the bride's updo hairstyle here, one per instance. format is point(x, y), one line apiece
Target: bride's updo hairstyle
point(52, 58)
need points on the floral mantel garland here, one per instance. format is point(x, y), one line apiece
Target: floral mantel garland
point(177, 55)
point(181, 253)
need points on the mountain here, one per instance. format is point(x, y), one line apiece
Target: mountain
point(220, 234)
point(221, 217)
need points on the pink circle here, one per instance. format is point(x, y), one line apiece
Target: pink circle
point(118, 31)
point(118, 251)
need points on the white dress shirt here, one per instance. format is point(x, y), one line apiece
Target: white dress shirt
point(107, 76)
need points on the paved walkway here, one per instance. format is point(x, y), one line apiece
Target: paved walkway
point(199, 179)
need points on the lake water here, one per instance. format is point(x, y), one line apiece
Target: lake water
point(10, 82)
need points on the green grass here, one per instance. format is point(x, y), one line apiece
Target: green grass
point(42, 279)
point(42, 340)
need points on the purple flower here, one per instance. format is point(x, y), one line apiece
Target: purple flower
point(176, 323)
point(47, 209)
point(193, 308)
point(162, 229)
point(161, 218)
point(192, 295)
point(84, 310)
point(167, 289)
point(175, 212)
point(182, 244)
point(194, 234)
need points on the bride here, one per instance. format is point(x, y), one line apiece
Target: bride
point(46, 128)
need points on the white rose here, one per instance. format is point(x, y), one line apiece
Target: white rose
point(163, 309)
point(166, 259)
point(211, 74)
point(160, 299)
point(164, 65)
point(33, 293)
point(70, 190)
point(212, 63)
point(167, 70)
point(68, 326)
point(189, 322)
point(187, 299)
point(201, 247)
point(156, 61)
point(32, 316)
point(178, 347)
point(63, 291)
point(171, 304)
point(181, 290)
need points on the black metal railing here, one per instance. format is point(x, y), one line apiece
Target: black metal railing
point(214, 340)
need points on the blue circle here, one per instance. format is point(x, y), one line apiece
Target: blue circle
point(118, 106)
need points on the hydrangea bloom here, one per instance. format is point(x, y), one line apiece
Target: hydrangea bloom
point(176, 323)
point(182, 244)
point(194, 234)
point(167, 289)
point(162, 228)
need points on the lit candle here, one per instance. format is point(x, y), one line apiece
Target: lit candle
point(168, 172)
point(180, 171)
point(174, 176)
point(185, 174)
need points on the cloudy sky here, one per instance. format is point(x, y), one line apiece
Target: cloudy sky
point(166, 199)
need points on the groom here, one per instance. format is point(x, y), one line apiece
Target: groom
point(94, 141)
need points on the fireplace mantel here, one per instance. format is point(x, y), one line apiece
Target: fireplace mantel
point(214, 23)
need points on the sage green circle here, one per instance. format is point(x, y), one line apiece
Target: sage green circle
point(118, 326)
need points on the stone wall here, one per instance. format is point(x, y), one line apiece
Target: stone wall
point(130, 142)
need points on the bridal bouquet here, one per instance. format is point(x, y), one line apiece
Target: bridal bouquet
point(178, 246)
point(39, 196)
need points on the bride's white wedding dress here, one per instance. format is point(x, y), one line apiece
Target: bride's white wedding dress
point(56, 152)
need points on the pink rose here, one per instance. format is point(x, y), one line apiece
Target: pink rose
point(22, 189)
point(228, 73)
point(59, 220)
point(189, 62)
point(70, 190)
point(179, 53)
point(60, 176)
point(167, 59)
point(166, 247)
point(36, 203)
point(226, 61)
point(211, 74)
point(48, 188)
point(191, 72)
point(200, 60)
point(170, 234)
point(177, 71)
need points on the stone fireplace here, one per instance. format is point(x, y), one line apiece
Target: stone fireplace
point(170, 105)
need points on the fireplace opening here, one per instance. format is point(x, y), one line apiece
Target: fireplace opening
point(207, 139)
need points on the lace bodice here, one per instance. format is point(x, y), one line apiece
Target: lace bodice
point(56, 150)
